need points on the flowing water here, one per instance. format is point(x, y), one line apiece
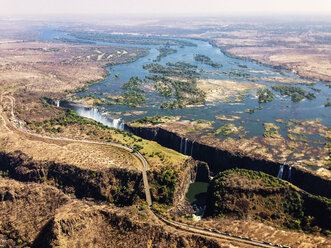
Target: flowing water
point(281, 108)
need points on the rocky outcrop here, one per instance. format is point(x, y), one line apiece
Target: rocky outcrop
point(79, 225)
point(119, 186)
point(26, 208)
point(220, 160)
point(39, 215)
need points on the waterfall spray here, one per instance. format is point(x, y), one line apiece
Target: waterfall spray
point(185, 149)
point(192, 148)
point(117, 123)
point(280, 172)
point(289, 173)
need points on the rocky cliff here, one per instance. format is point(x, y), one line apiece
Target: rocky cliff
point(220, 160)
point(119, 186)
point(39, 215)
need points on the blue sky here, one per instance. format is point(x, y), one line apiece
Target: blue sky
point(163, 6)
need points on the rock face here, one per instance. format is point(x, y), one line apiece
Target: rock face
point(26, 208)
point(39, 215)
point(219, 160)
point(256, 195)
point(119, 186)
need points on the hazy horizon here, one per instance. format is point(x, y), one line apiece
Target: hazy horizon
point(163, 8)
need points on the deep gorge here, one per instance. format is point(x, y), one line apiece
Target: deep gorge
point(219, 160)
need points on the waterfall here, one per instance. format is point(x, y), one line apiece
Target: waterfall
point(121, 126)
point(192, 148)
point(289, 173)
point(57, 103)
point(280, 172)
point(185, 147)
point(117, 123)
point(181, 145)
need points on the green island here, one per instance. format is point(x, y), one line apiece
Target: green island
point(164, 52)
point(206, 60)
point(171, 71)
point(296, 93)
point(153, 120)
point(133, 84)
point(255, 195)
point(181, 65)
point(132, 99)
point(184, 92)
point(265, 95)
point(130, 39)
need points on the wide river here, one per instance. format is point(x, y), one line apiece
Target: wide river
point(281, 108)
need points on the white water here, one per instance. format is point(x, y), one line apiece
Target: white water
point(192, 148)
point(280, 172)
point(95, 114)
point(289, 173)
point(57, 103)
point(118, 123)
point(199, 212)
point(185, 149)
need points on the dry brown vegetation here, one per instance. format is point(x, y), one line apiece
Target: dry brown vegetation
point(42, 216)
point(304, 53)
point(83, 154)
point(53, 68)
point(218, 90)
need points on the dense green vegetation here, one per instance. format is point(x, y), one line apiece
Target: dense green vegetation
point(170, 71)
point(164, 52)
point(68, 117)
point(75, 41)
point(154, 120)
point(181, 65)
point(296, 93)
point(206, 60)
point(133, 98)
point(253, 194)
point(133, 84)
point(184, 92)
point(163, 89)
point(265, 95)
point(163, 184)
point(130, 39)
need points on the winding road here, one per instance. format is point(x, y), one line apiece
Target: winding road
point(178, 225)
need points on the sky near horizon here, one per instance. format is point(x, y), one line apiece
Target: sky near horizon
point(19, 7)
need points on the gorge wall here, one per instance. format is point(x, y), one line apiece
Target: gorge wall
point(119, 186)
point(219, 160)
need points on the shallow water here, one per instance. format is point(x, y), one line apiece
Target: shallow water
point(282, 107)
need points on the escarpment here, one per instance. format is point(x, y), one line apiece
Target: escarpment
point(220, 160)
point(119, 186)
point(26, 208)
point(39, 215)
point(79, 225)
